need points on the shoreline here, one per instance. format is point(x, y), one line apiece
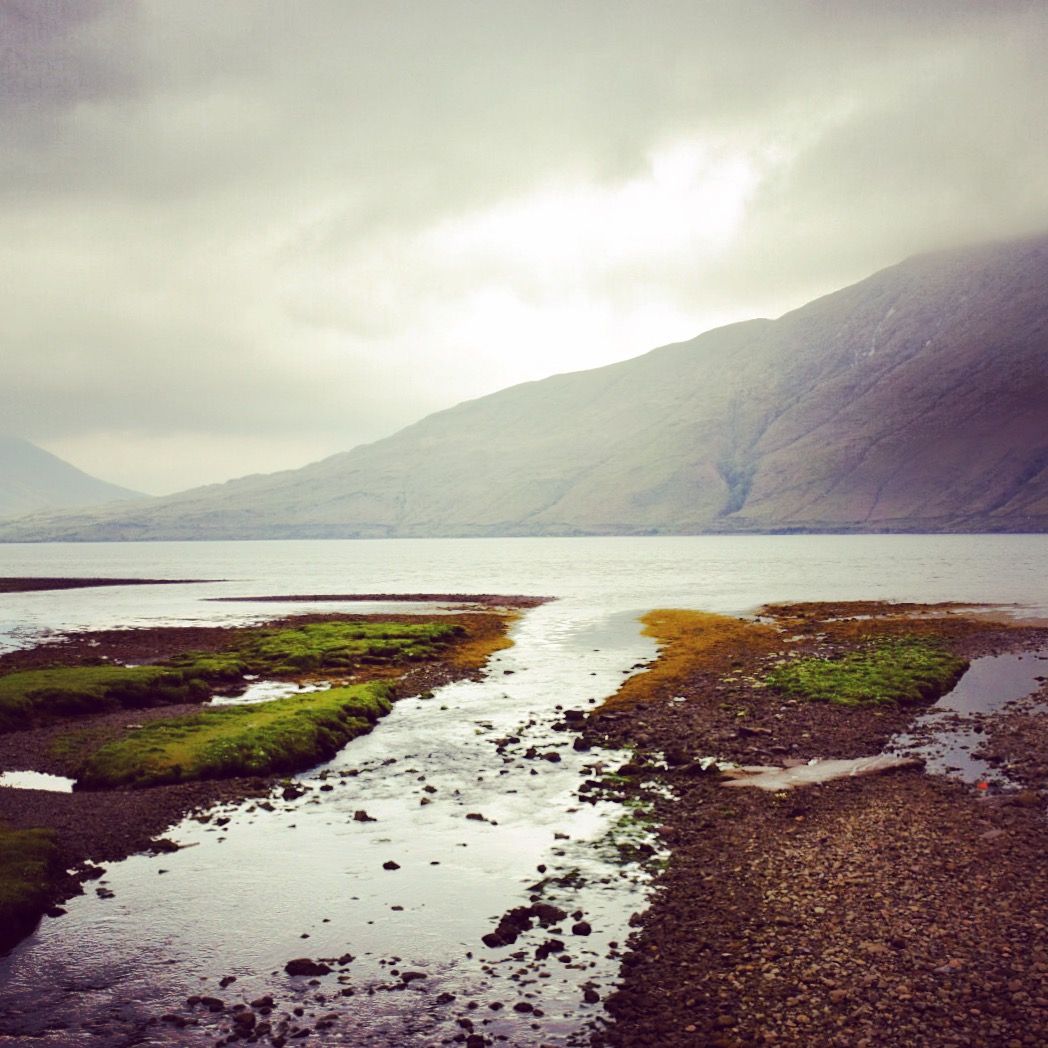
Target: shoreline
point(33, 584)
point(108, 825)
point(861, 912)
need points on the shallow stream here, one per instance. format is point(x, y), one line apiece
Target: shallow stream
point(252, 888)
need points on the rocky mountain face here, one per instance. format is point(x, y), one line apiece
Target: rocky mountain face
point(916, 400)
point(32, 480)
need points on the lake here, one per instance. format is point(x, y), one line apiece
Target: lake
point(592, 576)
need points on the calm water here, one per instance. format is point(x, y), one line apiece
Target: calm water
point(307, 879)
point(595, 576)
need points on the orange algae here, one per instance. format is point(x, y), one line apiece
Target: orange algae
point(486, 633)
point(691, 642)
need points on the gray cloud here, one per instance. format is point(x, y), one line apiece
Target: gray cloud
point(281, 229)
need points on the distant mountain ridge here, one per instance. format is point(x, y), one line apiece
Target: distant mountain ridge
point(32, 480)
point(915, 400)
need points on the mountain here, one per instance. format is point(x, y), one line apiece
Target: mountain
point(32, 479)
point(915, 400)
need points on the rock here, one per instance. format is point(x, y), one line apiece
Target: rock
point(362, 816)
point(244, 1021)
point(305, 966)
point(391, 865)
point(548, 947)
point(519, 919)
point(581, 928)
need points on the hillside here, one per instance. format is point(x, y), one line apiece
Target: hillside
point(32, 480)
point(915, 400)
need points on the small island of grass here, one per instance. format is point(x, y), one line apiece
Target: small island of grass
point(906, 670)
point(285, 735)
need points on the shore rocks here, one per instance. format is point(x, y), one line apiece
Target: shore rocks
point(520, 919)
point(306, 966)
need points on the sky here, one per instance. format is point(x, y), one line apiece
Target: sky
point(237, 237)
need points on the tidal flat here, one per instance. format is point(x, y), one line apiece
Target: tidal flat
point(666, 909)
point(78, 709)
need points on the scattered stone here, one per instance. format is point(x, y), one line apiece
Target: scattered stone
point(306, 966)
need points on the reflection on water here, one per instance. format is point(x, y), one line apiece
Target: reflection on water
point(949, 733)
point(267, 691)
point(716, 573)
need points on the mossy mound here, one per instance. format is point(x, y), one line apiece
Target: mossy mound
point(322, 647)
point(285, 735)
point(906, 671)
point(29, 870)
point(32, 697)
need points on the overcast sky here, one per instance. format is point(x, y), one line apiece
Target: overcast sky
point(239, 236)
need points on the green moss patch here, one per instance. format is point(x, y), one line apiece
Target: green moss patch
point(29, 870)
point(33, 697)
point(327, 646)
point(907, 670)
point(285, 735)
